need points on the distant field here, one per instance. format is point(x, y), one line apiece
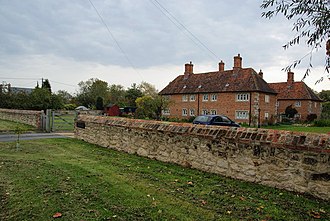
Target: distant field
point(74, 180)
point(64, 122)
point(12, 126)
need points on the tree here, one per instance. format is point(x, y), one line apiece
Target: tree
point(99, 103)
point(90, 90)
point(46, 84)
point(325, 95)
point(312, 22)
point(117, 95)
point(150, 107)
point(132, 94)
point(148, 89)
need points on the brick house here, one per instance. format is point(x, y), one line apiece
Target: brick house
point(297, 94)
point(240, 93)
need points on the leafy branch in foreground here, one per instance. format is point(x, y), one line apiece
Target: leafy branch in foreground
point(312, 22)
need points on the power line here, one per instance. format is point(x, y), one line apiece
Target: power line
point(114, 39)
point(179, 24)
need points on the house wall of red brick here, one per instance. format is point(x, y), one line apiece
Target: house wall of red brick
point(225, 103)
point(305, 108)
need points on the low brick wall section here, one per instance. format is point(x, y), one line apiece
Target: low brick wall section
point(288, 160)
point(30, 117)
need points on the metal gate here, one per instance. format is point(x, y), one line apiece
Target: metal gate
point(60, 121)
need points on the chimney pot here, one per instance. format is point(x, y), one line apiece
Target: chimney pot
point(261, 74)
point(221, 66)
point(237, 62)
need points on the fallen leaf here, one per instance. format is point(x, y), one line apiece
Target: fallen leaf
point(315, 215)
point(203, 202)
point(57, 215)
point(229, 212)
point(190, 183)
point(242, 198)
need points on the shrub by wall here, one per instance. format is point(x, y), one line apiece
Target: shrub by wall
point(289, 160)
point(30, 117)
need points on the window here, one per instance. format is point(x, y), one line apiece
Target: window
point(315, 104)
point(298, 104)
point(277, 103)
point(242, 115)
point(205, 97)
point(192, 97)
point(192, 112)
point(204, 111)
point(185, 97)
point(213, 112)
point(242, 97)
point(184, 112)
point(267, 98)
point(166, 111)
point(214, 97)
point(266, 115)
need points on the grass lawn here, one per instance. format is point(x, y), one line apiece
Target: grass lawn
point(323, 130)
point(81, 181)
point(12, 126)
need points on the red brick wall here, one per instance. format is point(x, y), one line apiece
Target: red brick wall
point(226, 104)
point(307, 107)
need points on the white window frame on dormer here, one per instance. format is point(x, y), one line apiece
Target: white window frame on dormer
point(205, 97)
point(297, 104)
point(185, 98)
point(242, 97)
point(192, 97)
point(214, 97)
point(267, 98)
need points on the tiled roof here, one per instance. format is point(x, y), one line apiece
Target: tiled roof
point(242, 80)
point(294, 91)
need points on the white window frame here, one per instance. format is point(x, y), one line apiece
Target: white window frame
point(297, 104)
point(267, 99)
point(242, 114)
point(166, 111)
point(266, 115)
point(204, 111)
point(192, 97)
point(213, 112)
point(205, 97)
point(242, 97)
point(184, 112)
point(192, 112)
point(185, 98)
point(214, 97)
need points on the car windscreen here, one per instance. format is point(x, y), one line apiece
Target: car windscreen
point(202, 119)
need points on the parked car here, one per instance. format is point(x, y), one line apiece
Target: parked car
point(220, 120)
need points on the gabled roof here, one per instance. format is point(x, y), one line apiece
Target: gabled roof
point(242, 80)
point(294, 91)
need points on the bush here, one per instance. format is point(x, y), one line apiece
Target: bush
point(311, 117)
point(322, 123)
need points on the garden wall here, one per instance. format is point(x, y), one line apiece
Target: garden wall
point(288, 160)
point(29, 117)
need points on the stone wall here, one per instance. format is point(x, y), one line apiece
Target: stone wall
point(288, 160)
point(29, 117)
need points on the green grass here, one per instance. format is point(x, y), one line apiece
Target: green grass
point(300, 128)
point(86, 182)
point(64, 123)
point(9, 126)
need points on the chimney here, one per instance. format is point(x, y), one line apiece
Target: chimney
point(221, 66)
point(290, 77)
point(237, 62)
point(261, 74)
point(188, 69)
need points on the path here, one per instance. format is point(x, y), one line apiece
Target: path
point(32, 136)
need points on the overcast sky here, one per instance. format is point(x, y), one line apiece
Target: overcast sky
point(142, 40)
